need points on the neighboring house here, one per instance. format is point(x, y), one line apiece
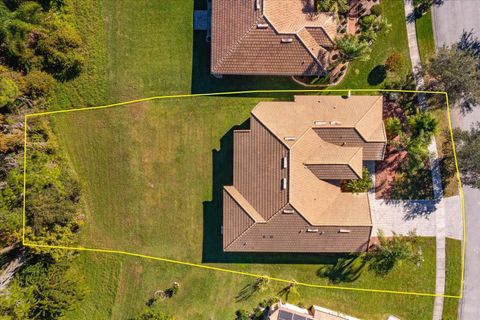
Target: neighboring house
point(270, 37)
point(286, 311)
point(287, 169)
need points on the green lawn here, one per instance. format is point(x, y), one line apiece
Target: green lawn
point(363, 74)
point(152, 173)
point(148, 183)
point(453, 284)
point(426, 42)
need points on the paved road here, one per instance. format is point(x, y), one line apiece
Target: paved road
point(450, 20)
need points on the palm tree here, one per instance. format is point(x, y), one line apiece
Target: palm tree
point(352, 48)
point(423, 125)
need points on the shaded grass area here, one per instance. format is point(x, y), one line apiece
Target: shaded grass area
point(453, 278)
point(426, 42)
point(370, 74)
point(445, 153)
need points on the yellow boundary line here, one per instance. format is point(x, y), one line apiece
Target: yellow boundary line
point(208, 267)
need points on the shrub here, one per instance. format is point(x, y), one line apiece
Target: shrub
point(394, 62)
point(367, 21)
point(8, 91)
point(38, 83)
point(376, 10)
point(360, 185)
point(242, 314)
point(393, 126)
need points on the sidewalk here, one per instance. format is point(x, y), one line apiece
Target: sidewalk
point(436, 177)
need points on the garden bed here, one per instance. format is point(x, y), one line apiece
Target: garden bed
point(393, 181)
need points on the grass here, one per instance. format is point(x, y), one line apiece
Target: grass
point(148, 181)
point(359, 72)
point(426, 42)
point(445, 153)
point(149, 186)
point(453, 278)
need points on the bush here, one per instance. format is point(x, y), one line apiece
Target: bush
point(376, 10)
point(393, 126)
point(242, 314)
point(360, 185)
point(367, 21)
point(394, 62)
point(38, 83)
point(8, 91)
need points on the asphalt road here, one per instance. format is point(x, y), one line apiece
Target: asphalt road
point(450, 20)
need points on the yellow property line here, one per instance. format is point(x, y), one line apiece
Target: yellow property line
point(208, 267)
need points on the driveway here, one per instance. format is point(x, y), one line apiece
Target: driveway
point(450, 20)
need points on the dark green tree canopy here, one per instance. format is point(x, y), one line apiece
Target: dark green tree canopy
point(468, 155)
point(456, 72)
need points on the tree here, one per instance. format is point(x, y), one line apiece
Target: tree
point(423, 125)
point(468, 155)
point(150, 314)
point(326, 6)
point(394, 62)
point(8, 91)
point(352, 48)
point(393, 126)
point(456, 72)
point(17, 302)
point(360, 185)
point(388, 252)
point(417, 154)
point(55, 288)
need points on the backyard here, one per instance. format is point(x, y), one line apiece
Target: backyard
point(151, 173)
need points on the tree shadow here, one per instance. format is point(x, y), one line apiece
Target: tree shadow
point(421, 9)
point(419, 208)
point(212, 249)
point(469, 43)
point(347, 269)
point(246, 292)
point(377, 75)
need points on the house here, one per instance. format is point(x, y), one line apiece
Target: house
point(270, 37)
point(286, 311)
point(287, 170)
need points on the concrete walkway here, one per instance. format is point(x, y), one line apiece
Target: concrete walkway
point(440, 226)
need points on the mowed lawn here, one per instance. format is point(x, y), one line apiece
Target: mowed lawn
point(150, 174)
point(365, 74)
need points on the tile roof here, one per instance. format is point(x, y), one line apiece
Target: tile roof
point(271, 37)
point(283, 171)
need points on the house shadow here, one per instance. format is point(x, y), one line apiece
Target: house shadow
point(212, 248)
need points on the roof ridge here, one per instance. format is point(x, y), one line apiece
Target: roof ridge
point(255, 215)
point(240, 40)
point(365, 114)
point(310, 50)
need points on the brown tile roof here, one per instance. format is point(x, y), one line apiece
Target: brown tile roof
point(283, 166)
point(270, 39)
